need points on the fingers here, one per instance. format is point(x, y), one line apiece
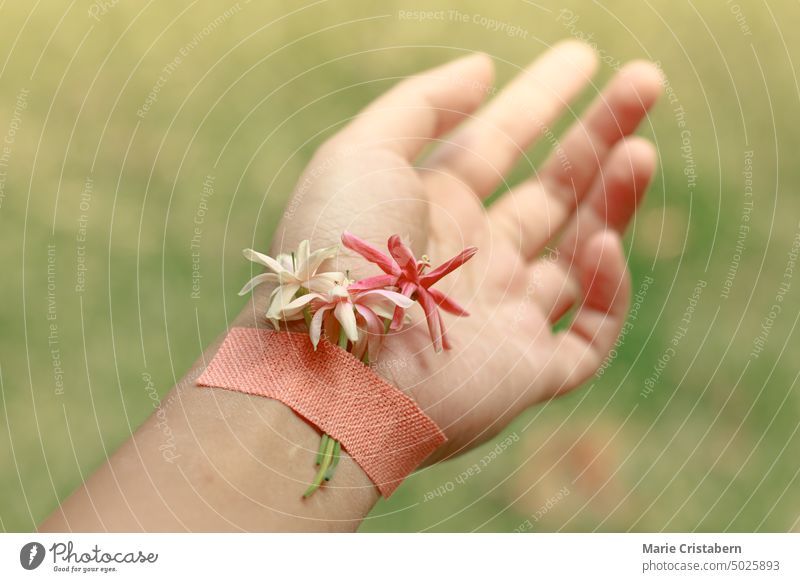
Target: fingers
point(618, 190)
point(606, 287)
point(615, 195)
point(614, 115)
point(555, 288)
point(534, 211)
point(486, 148)
point(421, 108)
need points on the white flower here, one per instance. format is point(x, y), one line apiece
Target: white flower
point(292, 272)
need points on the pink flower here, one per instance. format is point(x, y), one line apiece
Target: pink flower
point(345, 308)
point(404, 272)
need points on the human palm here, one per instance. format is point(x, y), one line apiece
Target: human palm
point(546, 245)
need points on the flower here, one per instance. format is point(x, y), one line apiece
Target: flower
point(340, 307)
point(292, 272)
point(404, 272)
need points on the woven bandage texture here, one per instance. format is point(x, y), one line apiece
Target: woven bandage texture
point(381, 428)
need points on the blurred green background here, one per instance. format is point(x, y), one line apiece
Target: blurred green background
point(98, 199)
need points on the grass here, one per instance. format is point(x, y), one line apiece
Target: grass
point(713, 446)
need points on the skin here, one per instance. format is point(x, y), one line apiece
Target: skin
point(548, 244)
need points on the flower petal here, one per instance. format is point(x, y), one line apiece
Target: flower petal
point(448, 304)
point(324, 282)
point(373, 295)
point(374, 331)
point(301, 257)
point(257, 280)
point(315, 329)
point(445, 341)
point(331, 325)
point(286, 261)
point(431, 277)
point(317, 258)
point(376, 282)
point(359, 348)
point(432, 316)
point(280, 297)
point(299, 304)
point(404, 257)
point(344, 313)
point(398, 319)
point(371, 253)
point(263, 259)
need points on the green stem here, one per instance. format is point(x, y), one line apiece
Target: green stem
point(327, 457)
point(330, 450)
point(337, 451)
point(323, 442)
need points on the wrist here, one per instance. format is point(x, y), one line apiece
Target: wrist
point(406, 361)
point(383, 429)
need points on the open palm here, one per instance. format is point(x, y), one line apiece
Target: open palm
point(546, 245)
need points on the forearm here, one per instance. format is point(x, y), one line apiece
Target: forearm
point(215, 460)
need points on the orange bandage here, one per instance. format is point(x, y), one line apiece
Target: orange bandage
point(381, 428)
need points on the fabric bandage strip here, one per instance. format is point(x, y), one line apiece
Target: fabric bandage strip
point(381, 428)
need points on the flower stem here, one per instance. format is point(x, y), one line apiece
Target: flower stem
point(337, 451)
point(327, 458)
point(323, 442)
point(330, 450)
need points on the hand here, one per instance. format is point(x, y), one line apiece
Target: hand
point(505, 356)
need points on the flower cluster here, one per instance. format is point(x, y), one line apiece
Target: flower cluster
point(357, 314)
point(354, 314)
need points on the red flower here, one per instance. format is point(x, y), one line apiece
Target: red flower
point(403, 271)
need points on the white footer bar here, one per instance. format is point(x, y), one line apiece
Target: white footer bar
point(388, 557)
